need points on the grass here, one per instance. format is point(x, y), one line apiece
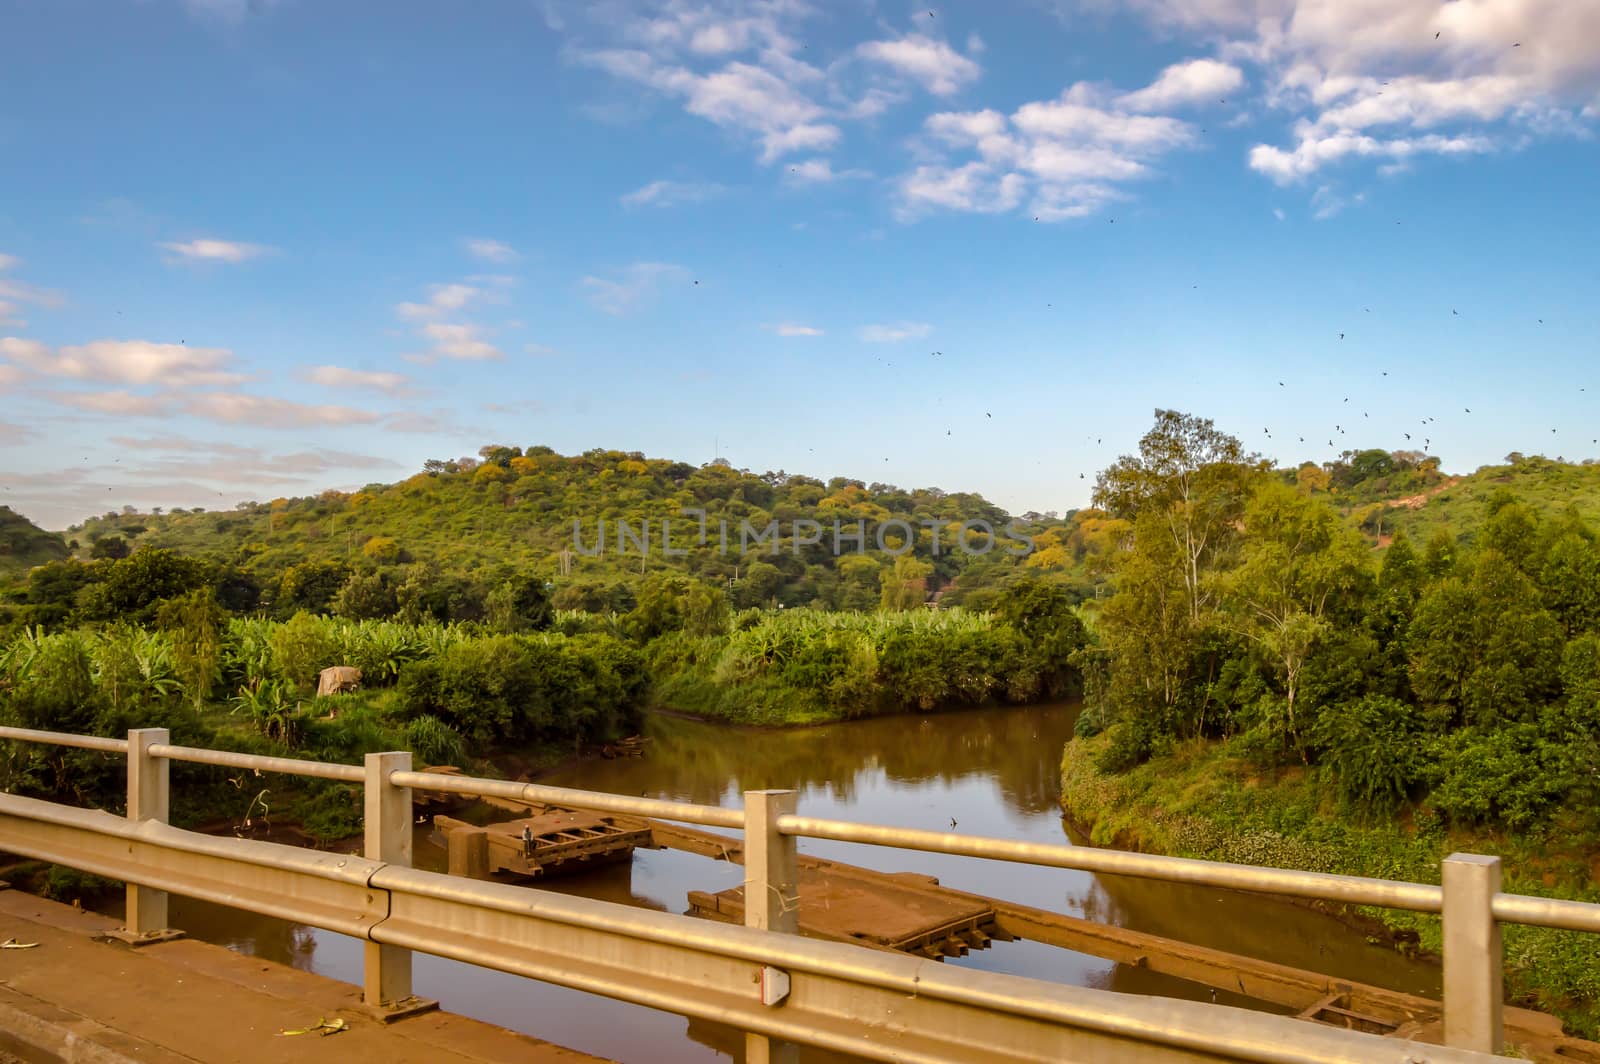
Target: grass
point(1546, 486)
point(1204, 800)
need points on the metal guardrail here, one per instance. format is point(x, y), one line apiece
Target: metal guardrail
point(51, 738)
point(1469, 897)
point(873, 1004)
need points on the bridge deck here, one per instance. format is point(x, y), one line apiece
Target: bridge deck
point(188, 1001)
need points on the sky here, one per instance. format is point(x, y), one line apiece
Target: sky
point(259, 248)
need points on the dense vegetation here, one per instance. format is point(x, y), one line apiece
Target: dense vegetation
point(801, 666)
point(441, 543)
point(445, 692)
point(1264, 686)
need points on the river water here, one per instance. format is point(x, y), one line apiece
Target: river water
point(992, 771)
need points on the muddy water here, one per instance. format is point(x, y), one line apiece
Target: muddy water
point(993, 772)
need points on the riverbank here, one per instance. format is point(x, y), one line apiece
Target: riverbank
point(1203, 800)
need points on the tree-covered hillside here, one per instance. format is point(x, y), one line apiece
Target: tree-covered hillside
point(766, 539)
point(24, 545)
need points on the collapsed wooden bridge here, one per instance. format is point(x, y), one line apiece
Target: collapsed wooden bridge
point(911, 913)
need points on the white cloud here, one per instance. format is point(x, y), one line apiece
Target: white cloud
point(891, 334)
point(10, 376)
point(423, 423)
point(117, 403)
point(230, 464)
point(1328, 201)
point(1064, 156)
point(459, 340)
point(15, 435)
point(792, 329)
point(133, 362)
point(633, 288)
point(442, 299)
point(819, 172)
point(369, 380)
point(229, 10)
point(490, 250)
point(934, 64)
point(1277, 212)
point(8, 261)
point(15, 295)
point(975, 186)
point(740, 95)
point(1316, 150)
point(207, 250)
point(266, 411)
point(1192, 81)
point(672, 193)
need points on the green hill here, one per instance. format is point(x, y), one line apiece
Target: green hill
point(1386, 492)
point(542, 512)
point(24, 544)
point(1458, 504)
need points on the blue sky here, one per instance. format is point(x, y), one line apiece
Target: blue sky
point(252, 248)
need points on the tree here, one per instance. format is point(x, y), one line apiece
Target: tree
point(904, 587)
point(1052, 633)
point(311, 586)
point(366, 596)
point(382, 549)
point(1311, 478)
point(519, 604)
point(1195, 479)
point(194, 622)
point(136, 583)
point(1485, 646)
point(112, 547)
point(1147, 630)
point(1295, 559)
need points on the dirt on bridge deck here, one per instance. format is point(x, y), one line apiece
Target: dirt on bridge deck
point(75, 996)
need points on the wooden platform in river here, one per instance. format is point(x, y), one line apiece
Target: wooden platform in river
point(552, 842)
point(873, 910)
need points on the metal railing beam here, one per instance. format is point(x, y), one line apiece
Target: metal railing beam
point(1353, 890)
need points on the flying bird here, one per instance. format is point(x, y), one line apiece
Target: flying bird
point(987, 414)
point(1436, 34)
point(1341, 336)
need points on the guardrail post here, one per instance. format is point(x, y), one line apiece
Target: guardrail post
point(1473, 959)
point(771, 898)
point(386, 976)
point(145, 916)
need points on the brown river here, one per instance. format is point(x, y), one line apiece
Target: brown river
point(994, 771)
